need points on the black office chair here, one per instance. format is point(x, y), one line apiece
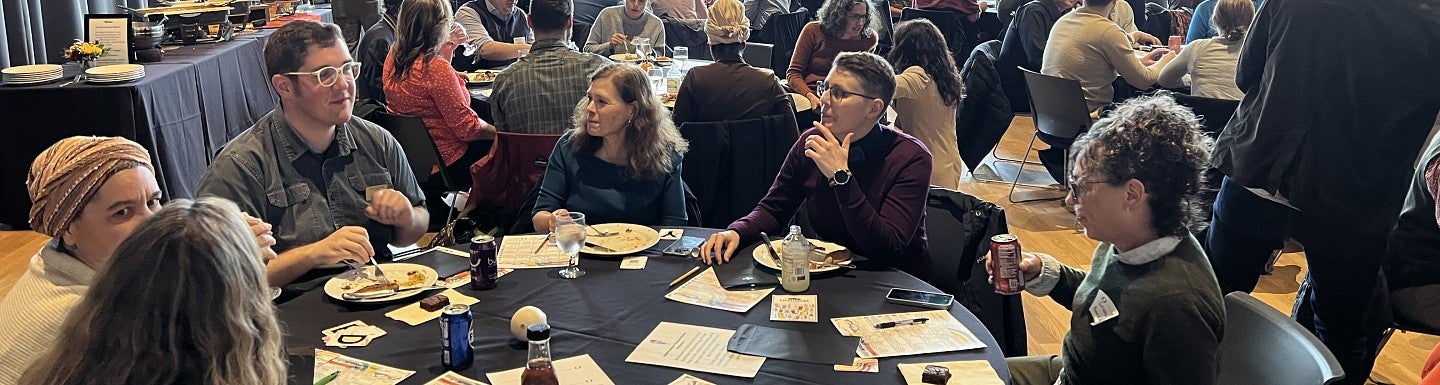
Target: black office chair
point(1264, 347)
point(422, 155)
point(949, 24)
point(758, 55)
point(738, 162)
point(961, 226)
point(1060, 116)
point(783, 30)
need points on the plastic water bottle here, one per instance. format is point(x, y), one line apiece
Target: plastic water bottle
point(795, 262)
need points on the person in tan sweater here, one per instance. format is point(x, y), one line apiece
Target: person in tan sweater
point(844, 26)
point(927, 90)
point(1087, 47)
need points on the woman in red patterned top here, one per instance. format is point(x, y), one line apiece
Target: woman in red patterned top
point(420, 82)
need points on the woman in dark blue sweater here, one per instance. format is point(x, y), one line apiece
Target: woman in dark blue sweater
point(621, 162)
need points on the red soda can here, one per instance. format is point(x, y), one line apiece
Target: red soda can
point(1175, 42)
point(1005, 251)
point(483, 266)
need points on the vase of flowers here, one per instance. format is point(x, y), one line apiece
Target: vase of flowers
point(85, 52)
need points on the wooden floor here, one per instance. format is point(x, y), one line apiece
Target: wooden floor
point(1042, 226)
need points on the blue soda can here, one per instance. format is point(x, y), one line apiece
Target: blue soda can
point(456, 354)
point(483, 265)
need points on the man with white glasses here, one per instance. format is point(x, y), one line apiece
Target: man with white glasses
point(335, 187)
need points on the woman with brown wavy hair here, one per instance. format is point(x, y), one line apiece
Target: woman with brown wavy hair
point(621, 162)
point(926, 88)
point(184, 300)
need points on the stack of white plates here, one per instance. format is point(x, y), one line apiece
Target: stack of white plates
point(115, 73)
point(31, 74)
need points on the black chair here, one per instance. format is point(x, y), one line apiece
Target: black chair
point(986, 112)
point(579, 33)
point(960, 227)
point(949, 24)
point(1060, 116)
point(1264, 347)
point(732, 164)
point(420, 150)
point(783, 29)
point(758, 55)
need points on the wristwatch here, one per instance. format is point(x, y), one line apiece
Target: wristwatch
point(842, 176)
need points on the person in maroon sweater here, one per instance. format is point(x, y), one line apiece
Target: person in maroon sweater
point(862, 184)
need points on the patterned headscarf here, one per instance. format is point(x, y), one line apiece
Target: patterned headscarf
point(67, 175)
point(727, 23)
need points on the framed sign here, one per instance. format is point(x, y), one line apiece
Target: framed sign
point(112, 30)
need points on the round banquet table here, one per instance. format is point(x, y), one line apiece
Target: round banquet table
point(605, 313)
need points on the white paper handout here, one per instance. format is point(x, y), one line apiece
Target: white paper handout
point(519, 252)
point(577, 370)
point(354, 371)
point(686, 379)
point(452, 378)
point(941, 332)
point(705, 290)
point(697, 348)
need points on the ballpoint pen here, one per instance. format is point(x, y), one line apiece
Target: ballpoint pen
point(327, 379)
point(542, 243)
point(891, 324)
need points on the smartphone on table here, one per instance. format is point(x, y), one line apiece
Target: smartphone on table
point(919, 298)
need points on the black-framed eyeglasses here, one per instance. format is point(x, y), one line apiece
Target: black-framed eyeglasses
point(328, 75)
point(1079, 187)
point(836, 93)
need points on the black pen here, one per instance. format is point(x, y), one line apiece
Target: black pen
point(891, 324)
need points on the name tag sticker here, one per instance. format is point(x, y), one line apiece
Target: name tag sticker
point(1103, 309)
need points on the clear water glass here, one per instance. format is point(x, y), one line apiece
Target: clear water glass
point(681, 55)
point(569, 237)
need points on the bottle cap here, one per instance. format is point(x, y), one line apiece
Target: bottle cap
point(538, 332)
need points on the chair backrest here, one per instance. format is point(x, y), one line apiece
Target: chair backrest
point(1213, 113)
point(504, 177)
point(1264, 347)
point(758, 55)
point(419, 148)
point(1058, 105)
point(948, 23)
point(731, 164)
point(783, 30)
point(959, 227)
point(985, 113)
point(579, 33)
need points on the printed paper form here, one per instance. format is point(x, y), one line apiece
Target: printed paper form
point(698, 348)
point(705, 290)
point(452, 378)
point(356, 371)
point(518, 252)
point(940, 333)
point(577, 370)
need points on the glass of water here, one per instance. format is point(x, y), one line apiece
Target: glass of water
point(681, 55)
point(569, 237)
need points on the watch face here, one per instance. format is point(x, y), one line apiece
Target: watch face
point(842, 176)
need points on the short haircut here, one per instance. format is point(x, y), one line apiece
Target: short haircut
point(876, 75)
point(287, 48)
point(550, 15)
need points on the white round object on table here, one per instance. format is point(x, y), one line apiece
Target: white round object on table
point(523, 318)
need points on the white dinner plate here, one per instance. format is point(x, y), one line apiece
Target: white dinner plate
point(628, 238)
point(481, 77)
point(115, 69)
point(113, 80)
point(763, 256)
point(625, 57)
point(31, 69)
point(400, 273)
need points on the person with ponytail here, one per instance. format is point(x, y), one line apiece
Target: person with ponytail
point(1211, 62)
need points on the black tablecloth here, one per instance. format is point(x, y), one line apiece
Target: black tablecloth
point(605, 313)
point(184, 108)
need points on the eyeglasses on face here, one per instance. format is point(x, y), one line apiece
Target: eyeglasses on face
point(836, 93)
point(328, 75)
point(1079, 187)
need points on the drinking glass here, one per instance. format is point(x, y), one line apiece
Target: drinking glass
point(569, 236)
point(681, 55)
point(642, 47)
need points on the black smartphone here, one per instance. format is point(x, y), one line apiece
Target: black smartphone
point(918, 298)
point(683, 246)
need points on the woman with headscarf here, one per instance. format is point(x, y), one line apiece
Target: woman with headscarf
point(728, 89)
point(184, 301)
point(87, 193)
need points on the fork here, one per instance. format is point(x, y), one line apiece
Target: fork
point(599, 232)
point(379, 273)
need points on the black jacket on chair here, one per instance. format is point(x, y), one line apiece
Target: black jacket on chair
point(732, 164)
point(960, 227)
point(985, 113)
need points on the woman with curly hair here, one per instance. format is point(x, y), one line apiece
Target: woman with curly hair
point(621, 162)
point(184, 300)
point(844, 26)
point(1149, 310)
point(927, 89)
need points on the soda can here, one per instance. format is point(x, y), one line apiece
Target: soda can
point(482, 262)
point(1175, 42)
point(456, 354)
point(1005, 251)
